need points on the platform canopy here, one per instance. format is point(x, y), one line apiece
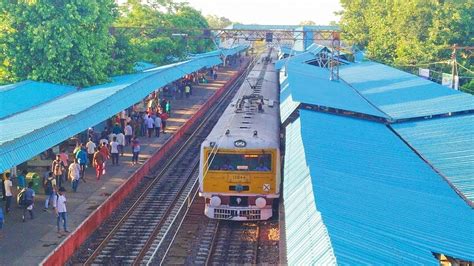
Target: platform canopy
point(28, 133)
point(402, 95)
point(448, 144)
point(21, 96)
point(379, 202)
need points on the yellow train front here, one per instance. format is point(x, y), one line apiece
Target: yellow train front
point(240, 159)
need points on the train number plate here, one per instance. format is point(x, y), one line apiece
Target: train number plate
point(239, 179)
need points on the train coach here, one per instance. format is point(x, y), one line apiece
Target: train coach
point(239, 170)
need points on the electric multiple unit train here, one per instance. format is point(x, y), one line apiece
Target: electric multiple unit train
point(240, 159)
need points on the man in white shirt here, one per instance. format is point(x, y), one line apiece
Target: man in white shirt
point(114, 151)
point(74, 174)
point(157, 126)
point(128, 134)
point(7, 183)
point(150, 125)
point(61, 211)
point(121, 142)
point(90, 146)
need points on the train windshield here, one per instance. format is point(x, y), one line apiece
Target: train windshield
point(241, 162)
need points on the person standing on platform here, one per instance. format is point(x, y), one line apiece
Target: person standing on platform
point(187, 90)
point(61, 210)
point(29, 201)
point(135, 150)
point(49, 186)
point(116, 129)
point(22, 180)
point(65, 159)
point(90, 146)
point(74, 174)
point(99, 162)
point(150, 125)
point(7, 183)
point(81, 157)
point(121, 142)
point(164, 117)
point(128, 134)
point(58, 168)
point(157, 126)
point(114, 151)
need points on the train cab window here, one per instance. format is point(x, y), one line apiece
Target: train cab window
point(241, 162)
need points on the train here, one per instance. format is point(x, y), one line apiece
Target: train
point(239, 169)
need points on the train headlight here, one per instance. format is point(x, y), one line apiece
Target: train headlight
point(215, 201)
point(261, 202)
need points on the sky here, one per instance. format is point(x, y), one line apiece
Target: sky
point(280, 12)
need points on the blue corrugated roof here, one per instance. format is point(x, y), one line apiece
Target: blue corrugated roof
point(380, 202)
point(223, 51)
point(309, 55)
point(448, 144)
point(32, 132)
point(403, 95)
point(307, 240)
point(140, 66)
point(310, 84)
point(287, 104)
point(21, 96)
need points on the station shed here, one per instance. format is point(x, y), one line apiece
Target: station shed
point(378, 167)
point(65, 112)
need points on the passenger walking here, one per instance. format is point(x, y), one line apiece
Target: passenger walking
point(99, 163)
point(22, 180)
point(49, 186)
point(116, 129)
point(29, 201)
point(121, 142)
point(90, 146)
point(168, 107)
point(61, 210)
point(7, 183)
point(114, 151)
point(65, 159)
point(164, 117)
point(150, 125)
point(187, 90)
point(135, 150)
point(58, 168)
point(157, 126)
point(128, 134)
point(74, 174)
point(81, 157)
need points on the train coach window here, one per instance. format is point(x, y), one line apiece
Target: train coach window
point(241, 162)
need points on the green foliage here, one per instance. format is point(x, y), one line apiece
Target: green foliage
point(65, 41)
point(412, 32)
point(216, 22)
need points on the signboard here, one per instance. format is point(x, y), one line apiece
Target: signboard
point(424, 73)
point(447, 80)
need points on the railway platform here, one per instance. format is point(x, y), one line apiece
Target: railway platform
point(28, 243)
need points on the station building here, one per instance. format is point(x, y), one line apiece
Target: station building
point(379, 165)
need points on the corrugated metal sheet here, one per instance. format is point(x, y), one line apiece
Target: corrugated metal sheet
point(310, 84)
point(140, 66)
point(307, 240)
point(21, 96)
point(403, 95)
point(448, 144)
point(380, 202)
point(26, 134)
point(309, 55)
point(287, 105)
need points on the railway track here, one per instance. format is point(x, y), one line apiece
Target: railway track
point(144, 220)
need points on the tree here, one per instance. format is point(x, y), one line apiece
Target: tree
point(66, 42)
point(216, 22)
point(402, 33)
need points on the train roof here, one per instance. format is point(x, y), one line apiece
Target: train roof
point(242, 123)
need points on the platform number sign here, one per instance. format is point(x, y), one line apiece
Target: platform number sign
point(266, 187)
